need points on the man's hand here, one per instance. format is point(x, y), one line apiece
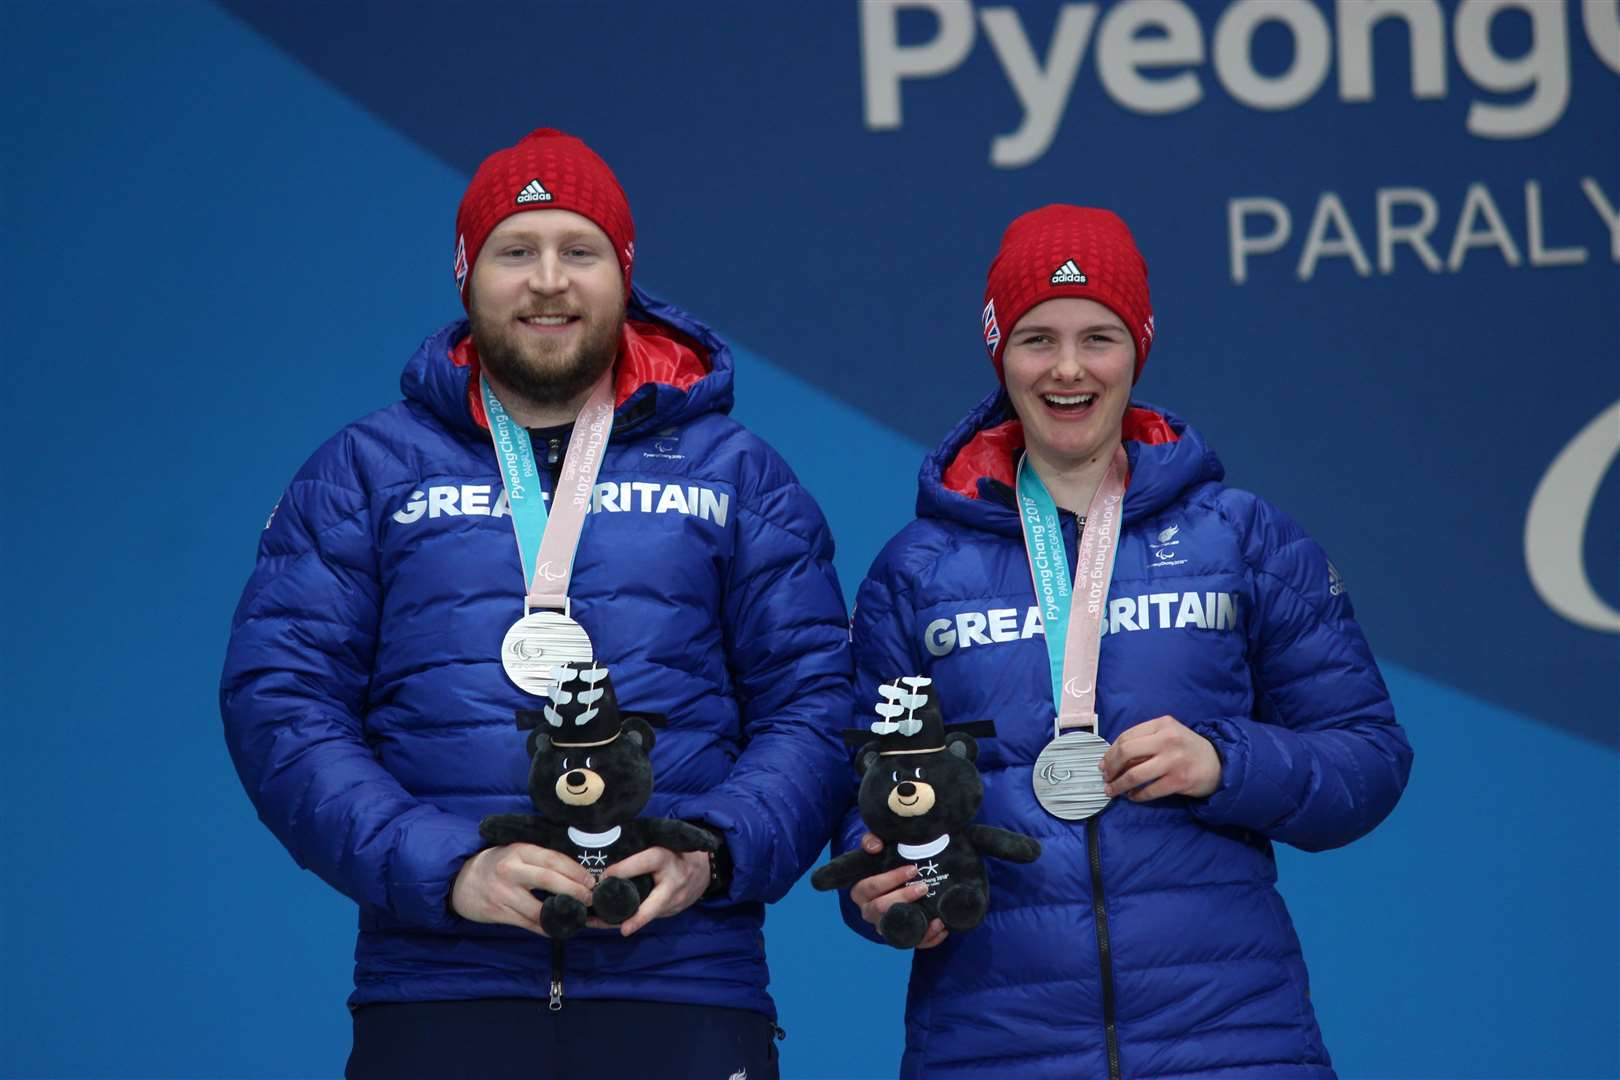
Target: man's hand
point(1161, 757)
point(880, 892)
point(494, 886)
point(678, 883)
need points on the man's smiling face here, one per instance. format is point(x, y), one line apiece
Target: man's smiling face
point(547, 304)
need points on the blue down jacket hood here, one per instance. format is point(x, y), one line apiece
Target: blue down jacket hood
point(371, 723)
point(1151, 941)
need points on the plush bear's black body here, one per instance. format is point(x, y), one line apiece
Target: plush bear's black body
point(590, 775)
point(919, 792)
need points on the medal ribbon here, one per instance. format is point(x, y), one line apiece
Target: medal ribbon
point(547, 542)
point(1073, 631)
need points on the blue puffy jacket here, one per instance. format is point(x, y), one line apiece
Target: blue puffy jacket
point(372, 725)
point(1150, 942)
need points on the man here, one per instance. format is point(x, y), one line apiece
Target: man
point(378, 656)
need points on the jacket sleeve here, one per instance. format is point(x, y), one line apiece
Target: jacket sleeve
point(787, 643)
point(293, 696)
point(1322, 760)
point(881, 636)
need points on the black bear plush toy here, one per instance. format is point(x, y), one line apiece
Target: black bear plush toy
point(590, 777)
point(919, 792)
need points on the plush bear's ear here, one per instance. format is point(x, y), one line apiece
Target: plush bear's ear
point(867, 758)
point(539, 742)
point(637, 731)
point(962, 746)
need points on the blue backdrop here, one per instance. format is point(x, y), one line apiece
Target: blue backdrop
point(1384, 259)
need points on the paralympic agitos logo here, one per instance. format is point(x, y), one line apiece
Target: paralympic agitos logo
point(1555, 526)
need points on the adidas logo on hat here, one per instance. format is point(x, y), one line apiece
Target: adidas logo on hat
point(1067, 274)
point(533, 192)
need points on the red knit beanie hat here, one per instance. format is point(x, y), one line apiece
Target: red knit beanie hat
point(546, 170)
point(1063, 250)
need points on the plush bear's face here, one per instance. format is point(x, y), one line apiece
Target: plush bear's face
point(593, 787)
point(912, 798)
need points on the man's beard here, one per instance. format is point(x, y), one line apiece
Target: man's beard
point(546, 374)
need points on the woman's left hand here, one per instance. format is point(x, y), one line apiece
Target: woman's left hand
point(1161, 757)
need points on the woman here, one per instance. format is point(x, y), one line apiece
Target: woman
point(1239, 695)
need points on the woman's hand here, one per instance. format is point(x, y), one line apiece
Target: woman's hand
point(880, 892)
point(1161, 757)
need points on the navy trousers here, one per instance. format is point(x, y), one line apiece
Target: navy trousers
point(511, 1038)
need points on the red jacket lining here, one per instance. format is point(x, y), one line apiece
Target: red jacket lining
point(648, 353)
point(993, 452)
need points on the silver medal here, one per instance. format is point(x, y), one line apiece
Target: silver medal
point(1068, 783)
point(537, 645)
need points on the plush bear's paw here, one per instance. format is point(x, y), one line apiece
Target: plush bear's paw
point(903, 925)
point(561, 917)
point(962, 907)
point(615, 900)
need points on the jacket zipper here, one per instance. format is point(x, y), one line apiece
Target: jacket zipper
point(555, 1004)
point(1099, 911)
point(553, 466)
point(1099, 905)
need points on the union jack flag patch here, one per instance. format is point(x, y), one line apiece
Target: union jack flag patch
point(460, 266)
point(992, 329)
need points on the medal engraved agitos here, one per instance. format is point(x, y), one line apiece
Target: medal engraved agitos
point(1068, 783)
point(538, 644)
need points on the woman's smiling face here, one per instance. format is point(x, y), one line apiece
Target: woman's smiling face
point(1068, 365)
